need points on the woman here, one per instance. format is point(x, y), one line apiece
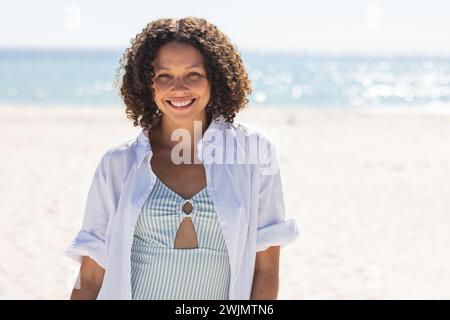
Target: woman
point(184, 210)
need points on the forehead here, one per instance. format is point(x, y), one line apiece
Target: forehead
point(177, 55)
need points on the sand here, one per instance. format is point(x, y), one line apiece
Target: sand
point(370, 190)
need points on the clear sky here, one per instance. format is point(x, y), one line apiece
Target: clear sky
point(347, 26)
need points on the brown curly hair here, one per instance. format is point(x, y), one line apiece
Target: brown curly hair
point(230, 84)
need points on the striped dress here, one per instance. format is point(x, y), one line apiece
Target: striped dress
point(159, 271)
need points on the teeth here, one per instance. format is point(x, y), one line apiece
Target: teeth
point(182, 103)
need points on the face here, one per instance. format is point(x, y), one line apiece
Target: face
point(180, 87)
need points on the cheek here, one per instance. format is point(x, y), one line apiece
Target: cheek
point(159, 89)
point(202, 87)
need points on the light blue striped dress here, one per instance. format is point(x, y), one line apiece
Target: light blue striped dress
point(158, 270)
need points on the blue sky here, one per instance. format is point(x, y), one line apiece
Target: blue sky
point(348, 26)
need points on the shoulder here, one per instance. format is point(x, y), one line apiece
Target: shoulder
point(261, 142)
point(250, 130)
point(119, 156)
point(253, 134)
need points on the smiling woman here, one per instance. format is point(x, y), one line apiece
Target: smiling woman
point(209, 59)
point(158, 228)
point(181, 88)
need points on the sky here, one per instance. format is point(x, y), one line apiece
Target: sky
point(347, 26)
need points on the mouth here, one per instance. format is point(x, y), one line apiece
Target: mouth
point(181, 105)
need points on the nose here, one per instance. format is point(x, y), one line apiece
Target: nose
point(179, 85)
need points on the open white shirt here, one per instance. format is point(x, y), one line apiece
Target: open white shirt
point(248, 198)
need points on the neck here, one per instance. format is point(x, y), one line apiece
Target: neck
point(185, 134)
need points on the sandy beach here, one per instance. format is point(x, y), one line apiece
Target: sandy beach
point(370, 190)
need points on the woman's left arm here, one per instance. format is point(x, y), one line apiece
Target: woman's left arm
point(265, 278)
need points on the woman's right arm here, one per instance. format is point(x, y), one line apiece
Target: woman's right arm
point(89, 280)
point(89, 245)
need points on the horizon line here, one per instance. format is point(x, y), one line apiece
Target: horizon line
point(263, 51)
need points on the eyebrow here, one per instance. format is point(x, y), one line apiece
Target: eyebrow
point(165, 68)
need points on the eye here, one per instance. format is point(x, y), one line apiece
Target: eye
point(164, 75)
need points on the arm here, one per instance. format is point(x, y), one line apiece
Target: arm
point(89, 246)
point(265, 278)
point(273, 229)
point(89, 280)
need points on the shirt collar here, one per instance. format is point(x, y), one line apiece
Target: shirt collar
point(144, 148)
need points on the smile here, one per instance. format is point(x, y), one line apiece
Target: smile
point(181, 104)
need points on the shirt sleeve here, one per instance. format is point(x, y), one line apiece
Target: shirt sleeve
point(90, 240)
point(274, 229)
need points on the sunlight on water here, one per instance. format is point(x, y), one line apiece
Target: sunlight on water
point(86, 77)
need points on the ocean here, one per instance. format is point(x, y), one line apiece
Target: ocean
point(85, 77)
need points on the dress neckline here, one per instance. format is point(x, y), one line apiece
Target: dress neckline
point(195, 196)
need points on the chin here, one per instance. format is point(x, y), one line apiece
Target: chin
point(182, 117)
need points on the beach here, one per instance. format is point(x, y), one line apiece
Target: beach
point(369, 189)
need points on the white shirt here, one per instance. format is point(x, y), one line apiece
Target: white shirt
point(248, 199)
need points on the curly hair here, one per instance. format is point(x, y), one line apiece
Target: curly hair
point(228, 79)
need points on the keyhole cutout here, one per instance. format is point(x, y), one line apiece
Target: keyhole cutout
point(187, 207)
point(186, 237)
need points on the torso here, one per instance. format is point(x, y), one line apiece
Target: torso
point(184, 179)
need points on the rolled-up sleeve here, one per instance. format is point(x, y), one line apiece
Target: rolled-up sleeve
point(273, 227)
point(90, 240)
